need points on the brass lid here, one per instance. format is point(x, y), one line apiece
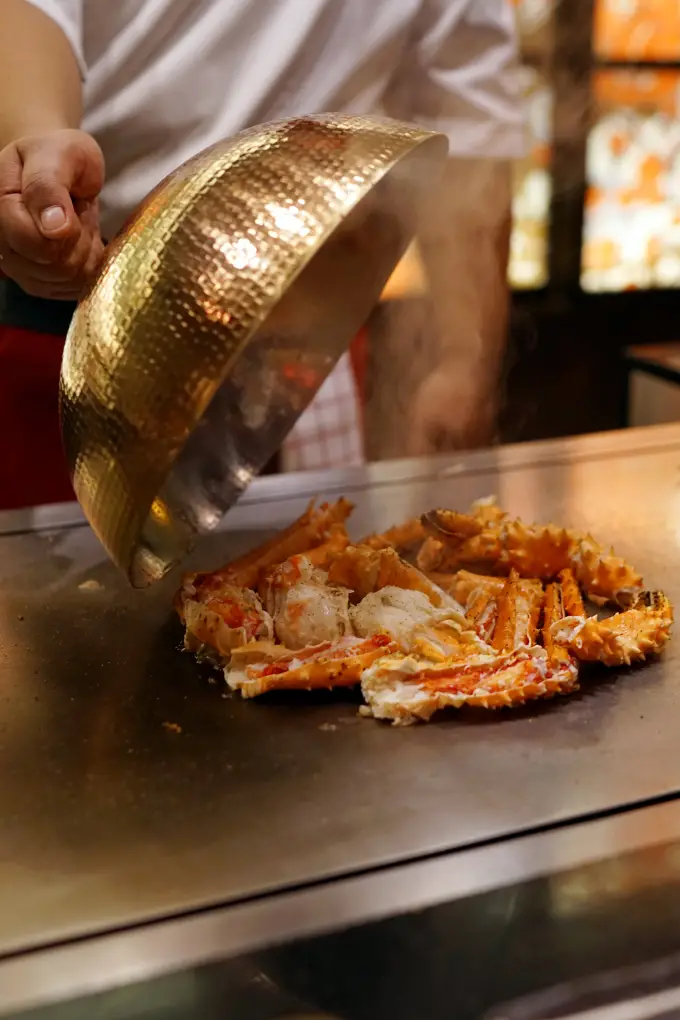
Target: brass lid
point(220, 309)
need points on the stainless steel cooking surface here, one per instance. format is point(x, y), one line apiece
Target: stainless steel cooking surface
point(110, 817)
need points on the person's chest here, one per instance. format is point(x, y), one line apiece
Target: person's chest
point(166, 78)
point(241, 60)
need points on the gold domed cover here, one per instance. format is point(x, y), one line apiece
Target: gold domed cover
point(219, 310)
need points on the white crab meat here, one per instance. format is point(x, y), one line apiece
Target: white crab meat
point(223, 620)
point(310, 613)
point(306, 611)
point(402, 613)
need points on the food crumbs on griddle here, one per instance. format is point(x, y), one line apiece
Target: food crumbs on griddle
point(172, 727)
point(90, 585)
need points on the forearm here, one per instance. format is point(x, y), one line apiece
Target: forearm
point(40, 86)
point(465, 243)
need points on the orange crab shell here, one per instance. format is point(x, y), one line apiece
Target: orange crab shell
point(535, 551)
point(620, 639)
point(312, 529)
point(515, 680)
point(364, 570)
point(322, 672)
point(224, 624)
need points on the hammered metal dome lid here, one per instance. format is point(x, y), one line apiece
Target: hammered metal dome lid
point(217, 314)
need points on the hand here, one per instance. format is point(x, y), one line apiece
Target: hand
point(454, 409)
point(49, 216)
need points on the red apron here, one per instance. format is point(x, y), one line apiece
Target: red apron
point(33, 466)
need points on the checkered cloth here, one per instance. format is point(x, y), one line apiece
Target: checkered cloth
point(329, 434)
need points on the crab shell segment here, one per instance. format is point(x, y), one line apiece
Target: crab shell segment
point(337, 664)
point(364, 570)
point(405, 689)
point(621, 639)
point(322, 526)
point(224, 620)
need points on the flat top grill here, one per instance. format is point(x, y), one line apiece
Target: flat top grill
point(110, 817)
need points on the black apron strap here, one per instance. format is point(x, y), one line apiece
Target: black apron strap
point(22, 311)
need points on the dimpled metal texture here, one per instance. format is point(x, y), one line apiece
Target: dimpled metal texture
point(219, 311)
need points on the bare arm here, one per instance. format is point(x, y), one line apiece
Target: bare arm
point(40, 87)
point(465, 242)
point(51, 173)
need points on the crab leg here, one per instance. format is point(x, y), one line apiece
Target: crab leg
point(518, 610)
point(571, 594)
point(531, 550)
point(431, 555)
point(482, 612)
point(464, 584)
point(337, 666)
point(310, 530)
point(620, 639)
point(366, 570)
point(399, 537)
point(553, 611)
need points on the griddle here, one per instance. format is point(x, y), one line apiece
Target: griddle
point(111, 817)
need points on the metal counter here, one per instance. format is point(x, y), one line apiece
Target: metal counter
point(109, 818)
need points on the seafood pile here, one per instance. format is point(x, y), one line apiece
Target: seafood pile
point(446, 610)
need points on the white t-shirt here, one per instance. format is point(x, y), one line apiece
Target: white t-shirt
point(166, 78)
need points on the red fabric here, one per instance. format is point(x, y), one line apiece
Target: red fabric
point(32, 463)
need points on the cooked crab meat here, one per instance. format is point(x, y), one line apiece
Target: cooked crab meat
point(481, 612)
point(411, 620)
point(296, 570)
point(405, 689)
point(397, 612)
point(310, 613)
point(333, 664)
point(218, 621)
point(306, 610)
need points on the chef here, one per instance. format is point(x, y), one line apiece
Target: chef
point(99, 101)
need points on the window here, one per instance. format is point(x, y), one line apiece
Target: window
point(631, 226)
point(631, 235)
point(532, 186)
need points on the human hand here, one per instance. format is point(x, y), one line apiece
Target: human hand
point(454, 409)
point(49, 215)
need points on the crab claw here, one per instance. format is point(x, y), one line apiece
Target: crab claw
point(621, 639)
point(451, 524)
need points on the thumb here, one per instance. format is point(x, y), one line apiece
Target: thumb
point(56, 169)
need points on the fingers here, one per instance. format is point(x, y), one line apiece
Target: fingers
point(49, 220)
point(55, 169)
point(19, 234)
point(68, 270)
point(62, 280)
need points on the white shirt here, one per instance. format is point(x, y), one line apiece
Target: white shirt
point(166, 78)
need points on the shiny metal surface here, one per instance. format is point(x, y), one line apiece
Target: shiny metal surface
point(110, 818)
point(217, 314)
point(113, 960)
